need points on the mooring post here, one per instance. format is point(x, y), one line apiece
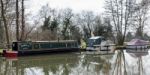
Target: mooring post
point(136, 48)
point(100, 47)
point(107, 49)
point(141, 48)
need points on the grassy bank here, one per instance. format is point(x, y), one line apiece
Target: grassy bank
point(1, 50)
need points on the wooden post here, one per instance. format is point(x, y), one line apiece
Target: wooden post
point(100, 48)
point(107, 49)
point(136, 48)
point(141, 48)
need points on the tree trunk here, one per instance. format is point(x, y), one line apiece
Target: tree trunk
point(23, 22)
point(17, 20)
point(5, 23)
point(1, 33)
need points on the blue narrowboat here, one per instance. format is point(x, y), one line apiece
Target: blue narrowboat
point(40, 47)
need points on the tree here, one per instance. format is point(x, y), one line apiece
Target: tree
point(103, 29)
point(67, 15)
point(8, 11)
point(45, 11)
point(5, 23)
point(129, 36)
point(75, 32)
point(46, 25)
point(50, 24)
point(146, 37)
point(29, 30)
point(120, 12)
point(86, 22)
point(140, 17)
point(1, 33)
point(22, 22)
point(50, 20)
point(54, 25)
point(17, 20)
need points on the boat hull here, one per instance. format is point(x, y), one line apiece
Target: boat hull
point(10, 54)
point(37, 52)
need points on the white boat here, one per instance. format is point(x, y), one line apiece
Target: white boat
point(100, 44)
point(137, 45)
point(95, 40)
point(105, 45)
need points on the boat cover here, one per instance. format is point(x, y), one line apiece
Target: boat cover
point(137, 42)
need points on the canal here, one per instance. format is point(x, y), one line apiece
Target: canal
point(78, 63)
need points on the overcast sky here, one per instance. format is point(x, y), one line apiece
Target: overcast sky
point(97, 6)
point(77, 5)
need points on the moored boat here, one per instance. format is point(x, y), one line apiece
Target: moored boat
point(10, 54)
point(137, 45)
point(93, 42)
point(41, 47)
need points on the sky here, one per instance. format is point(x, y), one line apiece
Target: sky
point(96, 6)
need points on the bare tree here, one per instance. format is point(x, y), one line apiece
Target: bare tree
point(120, 12)
point(5, 23)
point(140, 16)
point(1, 34)
point(22, 22)
point(17, 20)
point(29, 31)
point(86, 20)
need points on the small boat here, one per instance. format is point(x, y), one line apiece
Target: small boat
point(10, 54)
point(22, 48)
point(137, 45)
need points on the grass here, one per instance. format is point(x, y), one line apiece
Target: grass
point(1, 50)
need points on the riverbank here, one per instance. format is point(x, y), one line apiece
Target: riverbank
point(1, 50)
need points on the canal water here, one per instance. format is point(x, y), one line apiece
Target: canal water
point(78, 63)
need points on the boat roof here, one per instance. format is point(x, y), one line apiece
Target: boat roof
point(137, 42)
point(95, 37)
point(57, 41)
point(50, 41)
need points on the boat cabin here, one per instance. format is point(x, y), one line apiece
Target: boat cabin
point(44, 45)
point(96, 40)
point(22, 48)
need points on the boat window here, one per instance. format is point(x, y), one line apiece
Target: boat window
point(25, 46)
point(70, 45)
point(36, 46)
point(92, 42)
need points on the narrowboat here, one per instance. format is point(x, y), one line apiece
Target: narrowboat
point(22, 48)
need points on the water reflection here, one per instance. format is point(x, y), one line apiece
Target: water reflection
point(120, 63)
point(119, 67)
point(137, 67)
point(126, 63)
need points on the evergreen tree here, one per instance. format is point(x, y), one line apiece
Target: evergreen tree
point(54, 25)
point(46, 25)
